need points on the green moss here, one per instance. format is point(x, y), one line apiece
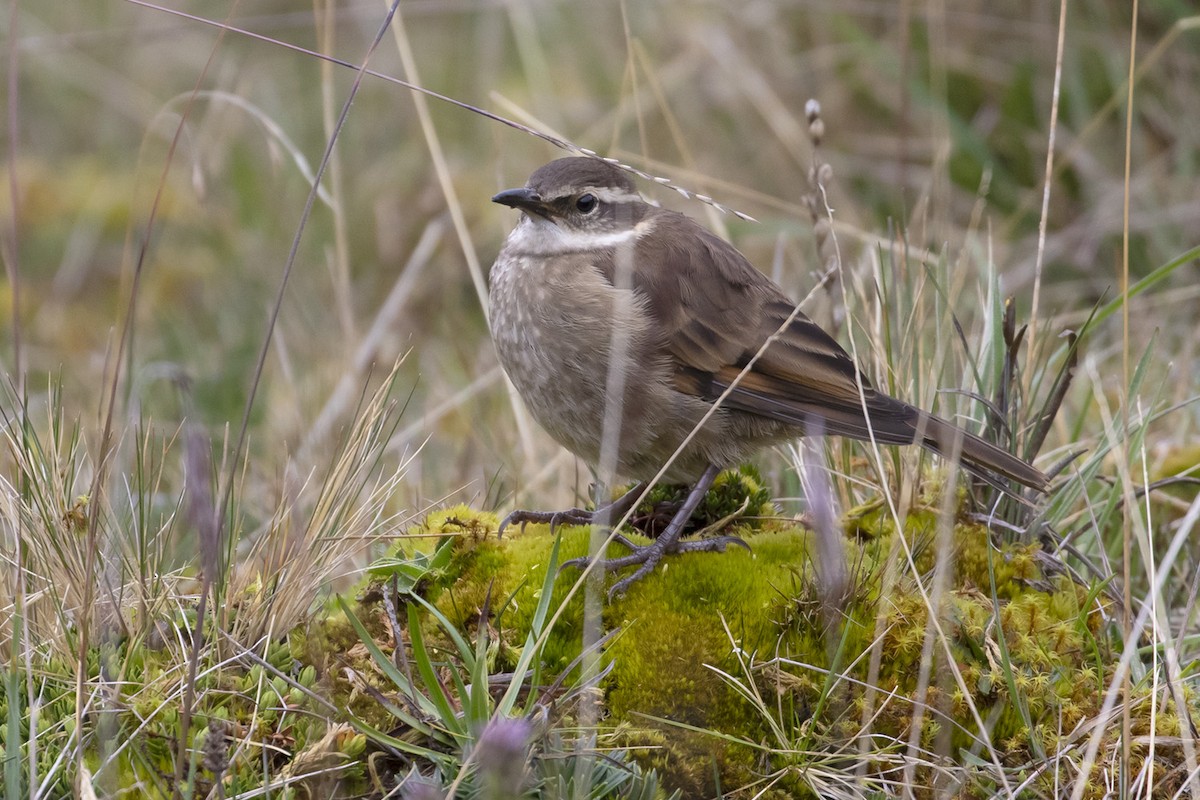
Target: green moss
point(129, 737)
point(706, 631)
point(725, 667)
point(678, 619)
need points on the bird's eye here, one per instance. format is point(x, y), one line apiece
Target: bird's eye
point(586, 203)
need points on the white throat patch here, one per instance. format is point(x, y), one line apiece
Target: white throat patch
point(538, 236)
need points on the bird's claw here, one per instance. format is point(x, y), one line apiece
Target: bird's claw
point(644, 557)
point(603, 515)
point(647, 557)
point(714, 544)
point(572, 516)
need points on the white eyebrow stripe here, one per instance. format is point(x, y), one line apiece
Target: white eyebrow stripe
point(609, 195)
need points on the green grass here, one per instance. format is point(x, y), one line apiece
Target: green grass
point(148, 243)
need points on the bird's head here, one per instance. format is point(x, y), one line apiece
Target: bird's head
point(583, 197)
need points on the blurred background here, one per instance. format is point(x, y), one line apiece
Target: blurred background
point(937, 126)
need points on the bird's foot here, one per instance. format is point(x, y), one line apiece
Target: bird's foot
point(604, 515)
point(644, 557)
point(647, 557)
point(571, 516)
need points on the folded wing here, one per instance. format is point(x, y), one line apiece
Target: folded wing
point(715, 311)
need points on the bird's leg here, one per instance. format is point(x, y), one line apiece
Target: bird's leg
point(603, 515)
point(649, 555)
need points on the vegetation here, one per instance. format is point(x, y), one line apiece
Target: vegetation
point(254, 451)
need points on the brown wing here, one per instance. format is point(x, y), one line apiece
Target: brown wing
point(715, 311)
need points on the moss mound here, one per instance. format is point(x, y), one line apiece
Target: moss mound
point(742, 668)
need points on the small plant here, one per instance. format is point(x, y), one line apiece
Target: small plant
point(737, 496)
point(465, 730)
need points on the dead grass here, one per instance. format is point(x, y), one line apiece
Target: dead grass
point(158, 166)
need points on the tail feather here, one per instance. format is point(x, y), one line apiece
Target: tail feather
point(977, 454)
point(892, 421)
point(896, 422)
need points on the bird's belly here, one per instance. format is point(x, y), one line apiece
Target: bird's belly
point(557, 355)
point(555, 334)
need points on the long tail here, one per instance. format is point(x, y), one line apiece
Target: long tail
point(977, 454)
point(896, 422)
point(892, 421)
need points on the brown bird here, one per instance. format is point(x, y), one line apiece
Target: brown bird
point(592, 270)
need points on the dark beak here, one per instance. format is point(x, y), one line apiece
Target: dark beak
point(526, 200)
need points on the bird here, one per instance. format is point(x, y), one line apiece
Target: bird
point(593, 274)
